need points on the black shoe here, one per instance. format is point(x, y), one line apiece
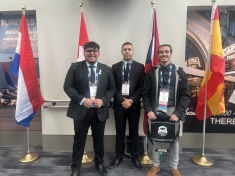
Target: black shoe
point(137, 163)
point(115, 162)
point(101, 169)
point(75, 173)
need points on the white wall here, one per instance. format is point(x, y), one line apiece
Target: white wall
point(110, 23)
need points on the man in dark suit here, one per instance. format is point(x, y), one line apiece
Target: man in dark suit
point(129, 77)
point(90, 86)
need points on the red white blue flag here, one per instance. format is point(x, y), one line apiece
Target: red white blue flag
point(29, 98)
point(152, 55)
point(83, 38)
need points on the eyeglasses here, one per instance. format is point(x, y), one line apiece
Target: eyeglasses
point(90, 51)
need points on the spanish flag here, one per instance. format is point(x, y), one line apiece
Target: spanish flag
point(215, 90)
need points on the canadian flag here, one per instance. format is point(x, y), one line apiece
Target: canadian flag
point(83, 38)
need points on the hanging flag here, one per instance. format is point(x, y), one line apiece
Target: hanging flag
point(29, 98)
point(152, 55)
point(83, 38)
point(215, 91)
point(7, 76)
point(15, 64)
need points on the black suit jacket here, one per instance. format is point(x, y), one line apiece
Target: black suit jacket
point(136, 84)
point(76, 86)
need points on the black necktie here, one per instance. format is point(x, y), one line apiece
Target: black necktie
point(92, 74)
point(126, 72)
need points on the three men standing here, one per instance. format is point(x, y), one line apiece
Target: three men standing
point(166, 77)
point(129, 77)
point(90, 86)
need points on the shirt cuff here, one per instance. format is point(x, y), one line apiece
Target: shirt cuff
point(82, 101)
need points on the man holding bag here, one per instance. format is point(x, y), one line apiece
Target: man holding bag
point(166, 89)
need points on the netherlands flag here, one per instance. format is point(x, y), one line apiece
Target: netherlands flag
point(83, 38)
point(29, 98)
point(152, 56)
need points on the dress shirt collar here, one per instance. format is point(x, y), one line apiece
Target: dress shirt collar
point(125, 62)
point(95, 64)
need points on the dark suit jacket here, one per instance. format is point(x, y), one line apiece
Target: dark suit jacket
point(136, 83)
point(76, 86)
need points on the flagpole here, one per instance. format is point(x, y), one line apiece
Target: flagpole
point(28, 157)
point(202, 160)
point(81, 6)
point(145, 159)
point(87, 157)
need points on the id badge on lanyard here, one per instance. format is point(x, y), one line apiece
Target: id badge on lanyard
point(125, 88)
point(93, 90)
point(164, 92)
point(163, 99)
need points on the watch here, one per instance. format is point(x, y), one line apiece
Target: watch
point(131, 101)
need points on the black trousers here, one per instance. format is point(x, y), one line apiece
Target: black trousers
point(81, 129)
point(121, 116)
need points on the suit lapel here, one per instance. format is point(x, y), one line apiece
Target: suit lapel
point(100, 75)
point(132, 72)
point(119, 72)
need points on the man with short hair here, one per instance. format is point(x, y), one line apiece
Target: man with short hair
point(166, 77)
point(129, 77)
point(90, 86)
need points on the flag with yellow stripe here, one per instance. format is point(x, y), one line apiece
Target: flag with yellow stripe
point(215, 90)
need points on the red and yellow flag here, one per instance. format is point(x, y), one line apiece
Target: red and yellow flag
point(215, 91)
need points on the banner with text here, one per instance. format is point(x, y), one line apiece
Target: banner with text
point(197, 44)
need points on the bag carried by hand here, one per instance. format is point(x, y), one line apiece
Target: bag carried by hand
point(162, 129)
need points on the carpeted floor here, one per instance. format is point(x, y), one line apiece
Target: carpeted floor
point(58, 163)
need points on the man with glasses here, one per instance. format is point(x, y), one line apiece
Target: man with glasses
point(90, 86)
point(166, 88)
point(129, 77)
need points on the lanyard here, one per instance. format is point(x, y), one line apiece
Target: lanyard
point(123, 66)
point(96, 74)
point(169, 78)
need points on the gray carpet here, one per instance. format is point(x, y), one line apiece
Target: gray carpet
point(58, 163)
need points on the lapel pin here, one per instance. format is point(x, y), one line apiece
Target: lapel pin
point(100, 72)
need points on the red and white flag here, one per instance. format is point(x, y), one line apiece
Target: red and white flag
point(83, 38)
